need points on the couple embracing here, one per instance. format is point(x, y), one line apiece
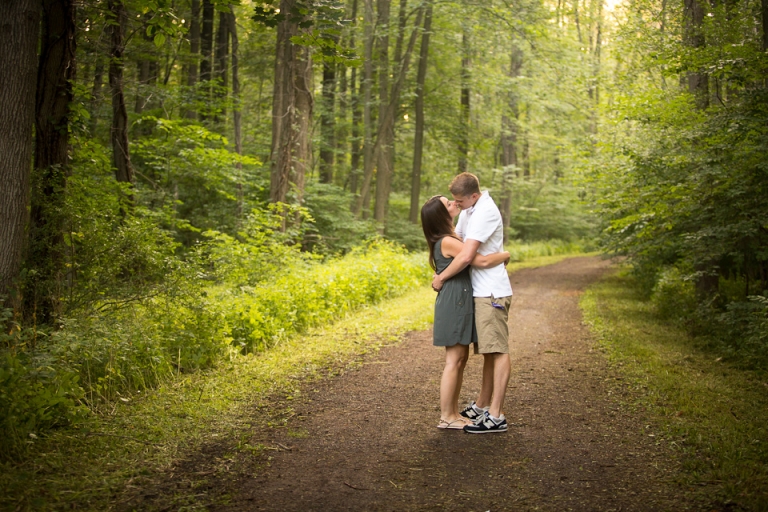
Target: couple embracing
point(472, 305)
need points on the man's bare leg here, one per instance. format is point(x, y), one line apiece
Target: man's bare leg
point(501, 370)
point(486, 388)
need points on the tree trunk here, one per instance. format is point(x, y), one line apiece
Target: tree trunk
point(146, 70)
point(509, 127)
point(206, 56)
point(236, 106)
point(96, 94)
point(327, 123)
point(698, 82)
point(465, 94)
point(418, 136)
point(55, 75)
point(121, 158)
point(384, 161)
point(18, 71)
point(194, 50)
point(367, 86)
point(394, 99)
point(222, 64)
point(291, 111)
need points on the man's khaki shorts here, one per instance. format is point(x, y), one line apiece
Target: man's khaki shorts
point(491, 323)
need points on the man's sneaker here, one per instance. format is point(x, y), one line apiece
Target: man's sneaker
point(473, 412)
point(487, 425)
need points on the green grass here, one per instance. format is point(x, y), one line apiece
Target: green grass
point(714, 415)
point(126, 445)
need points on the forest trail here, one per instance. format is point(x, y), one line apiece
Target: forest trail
point(367, 440)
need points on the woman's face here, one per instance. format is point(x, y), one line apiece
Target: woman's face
point(453, 209)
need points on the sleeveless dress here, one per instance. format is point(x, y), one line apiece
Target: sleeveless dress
point(454, 307)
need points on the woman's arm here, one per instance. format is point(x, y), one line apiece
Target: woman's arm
point(490, 260)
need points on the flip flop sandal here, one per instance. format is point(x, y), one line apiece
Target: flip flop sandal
point(451, 425)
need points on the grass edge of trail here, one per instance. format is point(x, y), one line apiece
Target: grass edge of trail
point(113, 456)
point(714, 416)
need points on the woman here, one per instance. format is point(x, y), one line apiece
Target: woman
point(454, 326)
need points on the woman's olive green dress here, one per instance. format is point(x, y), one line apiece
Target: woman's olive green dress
point(454, 306)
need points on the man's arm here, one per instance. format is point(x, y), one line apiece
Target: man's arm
point(459, 263)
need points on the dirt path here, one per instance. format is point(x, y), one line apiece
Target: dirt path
point(367, 440)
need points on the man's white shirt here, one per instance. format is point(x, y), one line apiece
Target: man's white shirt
point(483, 223)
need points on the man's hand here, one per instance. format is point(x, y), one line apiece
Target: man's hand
point(437, 283)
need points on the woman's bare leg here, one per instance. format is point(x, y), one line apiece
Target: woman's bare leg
point(450, 383)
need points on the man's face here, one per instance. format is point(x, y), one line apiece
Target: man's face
point(465, 202)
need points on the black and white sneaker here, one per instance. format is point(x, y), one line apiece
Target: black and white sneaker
point(473, 412)
point(487, 425)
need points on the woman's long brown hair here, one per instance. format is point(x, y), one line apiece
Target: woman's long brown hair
point(437, 224)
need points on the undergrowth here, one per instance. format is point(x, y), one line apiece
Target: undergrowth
point(713, 413)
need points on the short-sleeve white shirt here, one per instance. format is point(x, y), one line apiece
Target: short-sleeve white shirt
point(483, 223)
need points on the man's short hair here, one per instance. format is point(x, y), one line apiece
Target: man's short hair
point(464, 185)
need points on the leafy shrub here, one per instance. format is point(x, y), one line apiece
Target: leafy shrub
point(291, 302)
point(674, 294)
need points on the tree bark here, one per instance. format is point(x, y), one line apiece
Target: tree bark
point(357, 114)
point(236, 106)
point(55, 75)
point(465, 95)
point(385, 160)
point(328, 123)
point(367, 86)
point(509, 127)
point(18, 71)
point(206, 56)
point(418, 136)
point(291, 111)
point(698, 82)
point(194, 51)
point(394, 99)
point(222, 64)
point(121, 158)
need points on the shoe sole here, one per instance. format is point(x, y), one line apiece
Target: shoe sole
point(485, 431)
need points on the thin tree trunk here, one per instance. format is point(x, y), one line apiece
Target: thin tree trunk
point(465, 95)
point(509, 125)
point(328, 122)
point(367, 86)
point(357, 113)
point(222, 63)
point(236, 106)
point(383, 162)
point(698, 82)
point(206, 55)
point(194, 51)
point(56, 73)
point(96, 94)
point(18, 71)
point(394, 99)
point(121, 158)
point(418, 136)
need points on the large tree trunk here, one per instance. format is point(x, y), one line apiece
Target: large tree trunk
point(465, 95)
point(385, 160)
point(509, 129)
point(121, 158)
point(291, 111)
point(18, 71)
point(327, 123)
point(418, 136)
point(55, 75)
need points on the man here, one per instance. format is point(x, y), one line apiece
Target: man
point(481, 228)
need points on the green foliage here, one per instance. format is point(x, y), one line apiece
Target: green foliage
point(260, 316)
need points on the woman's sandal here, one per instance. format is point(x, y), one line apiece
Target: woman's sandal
point(452, 425)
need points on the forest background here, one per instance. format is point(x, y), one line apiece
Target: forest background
point(185, 181)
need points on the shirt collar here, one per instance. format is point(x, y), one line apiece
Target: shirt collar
point(483, 195)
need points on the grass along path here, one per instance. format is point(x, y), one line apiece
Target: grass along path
point(121, 450)
point(715, 416)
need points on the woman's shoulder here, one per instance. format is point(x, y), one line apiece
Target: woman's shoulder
point(451, 246)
